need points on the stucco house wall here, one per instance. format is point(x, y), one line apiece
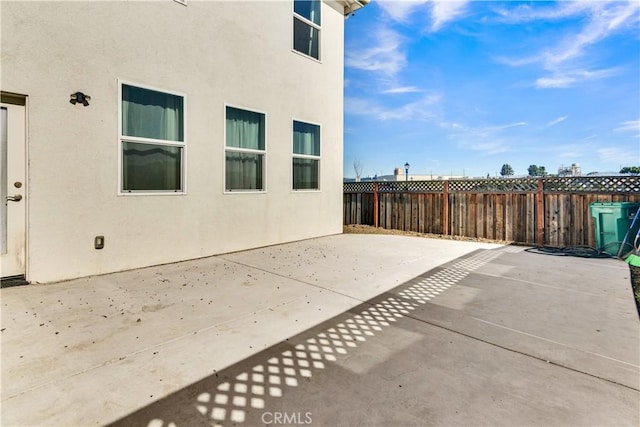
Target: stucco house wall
point(216, 53)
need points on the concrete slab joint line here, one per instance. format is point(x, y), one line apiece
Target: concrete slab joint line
point(93, 349)
point(231, 399)
point(234, 398)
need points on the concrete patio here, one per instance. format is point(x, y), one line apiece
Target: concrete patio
point(343, 330)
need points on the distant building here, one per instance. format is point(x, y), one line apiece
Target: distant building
point(399, 175)
point(573, 170)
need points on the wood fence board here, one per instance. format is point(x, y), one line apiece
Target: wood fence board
point(381, 206)
point(566, 226)
point(499, 209)
point(452, 220)
point(414, 212)
point(564, 219)
point(434, 214)
point(472, 215)
point(551, 219)
point(577, 221)
point(590, 223)
point(523, 220)
point(389, 208)
point(392, 224)
point(480, 232)
point(485, 210)
point(421, 208)
point(468, 224)
point(514, 217)
point(352, 214)
point(508, 216)
point(529, 218)
point(462, 218)
point(454, 213)
point(406, 221)
point(532, 226)
point(553, 222)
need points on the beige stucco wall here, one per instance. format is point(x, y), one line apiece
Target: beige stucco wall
point(214, 52)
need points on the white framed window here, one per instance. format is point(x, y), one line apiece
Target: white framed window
point(306, 156)
point(245, 150)
point(152, 140)
point(306, 27)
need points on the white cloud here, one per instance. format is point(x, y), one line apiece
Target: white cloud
point(423, 109)
point(616, 155)
point(556, 121)
point(526, 13)
point(517, 62)
point(632, 126)
point(602, 20)
point(444, 11)
point(385, 56)
point(402, 89)
point(605, 19)
point(490, 147)
point(560, 81)
point(563, 79)
point(487, 140)
point(507, 126)
point(400, 10)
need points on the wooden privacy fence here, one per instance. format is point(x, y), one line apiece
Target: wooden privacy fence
point(545, 211)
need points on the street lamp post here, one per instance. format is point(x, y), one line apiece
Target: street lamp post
point(406, 170)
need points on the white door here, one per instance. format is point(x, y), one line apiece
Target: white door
point(12, 203)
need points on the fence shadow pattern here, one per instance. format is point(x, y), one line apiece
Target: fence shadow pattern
point(242, 395)
point(548, 211)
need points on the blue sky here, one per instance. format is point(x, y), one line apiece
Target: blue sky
point(467, 86)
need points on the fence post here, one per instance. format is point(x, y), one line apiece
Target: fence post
point(540, 213)
point(375, 205)
point(445, 208)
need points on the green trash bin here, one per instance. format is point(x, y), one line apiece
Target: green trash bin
point(612, 222)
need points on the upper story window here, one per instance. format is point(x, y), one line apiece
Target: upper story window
point(306, 156)
point(245, 150)
point(152, 140)
point(306, 27)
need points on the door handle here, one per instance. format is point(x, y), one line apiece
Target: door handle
point(15, 198)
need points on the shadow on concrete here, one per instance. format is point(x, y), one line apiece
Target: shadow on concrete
point(250, 391)
point(384, 363)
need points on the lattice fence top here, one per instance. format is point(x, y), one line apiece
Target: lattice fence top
point(395, 187)
point(358, 187)
point(494, 185)
point(411, 187)
point(581, 184)
point(593, 184)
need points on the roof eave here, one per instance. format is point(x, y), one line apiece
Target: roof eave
point(350, 6)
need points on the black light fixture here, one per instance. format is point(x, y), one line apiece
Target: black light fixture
point(406, 170)
point(81, 98)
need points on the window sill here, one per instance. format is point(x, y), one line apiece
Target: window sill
point(245, 191)
point(304, 55)
point(152, 193)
